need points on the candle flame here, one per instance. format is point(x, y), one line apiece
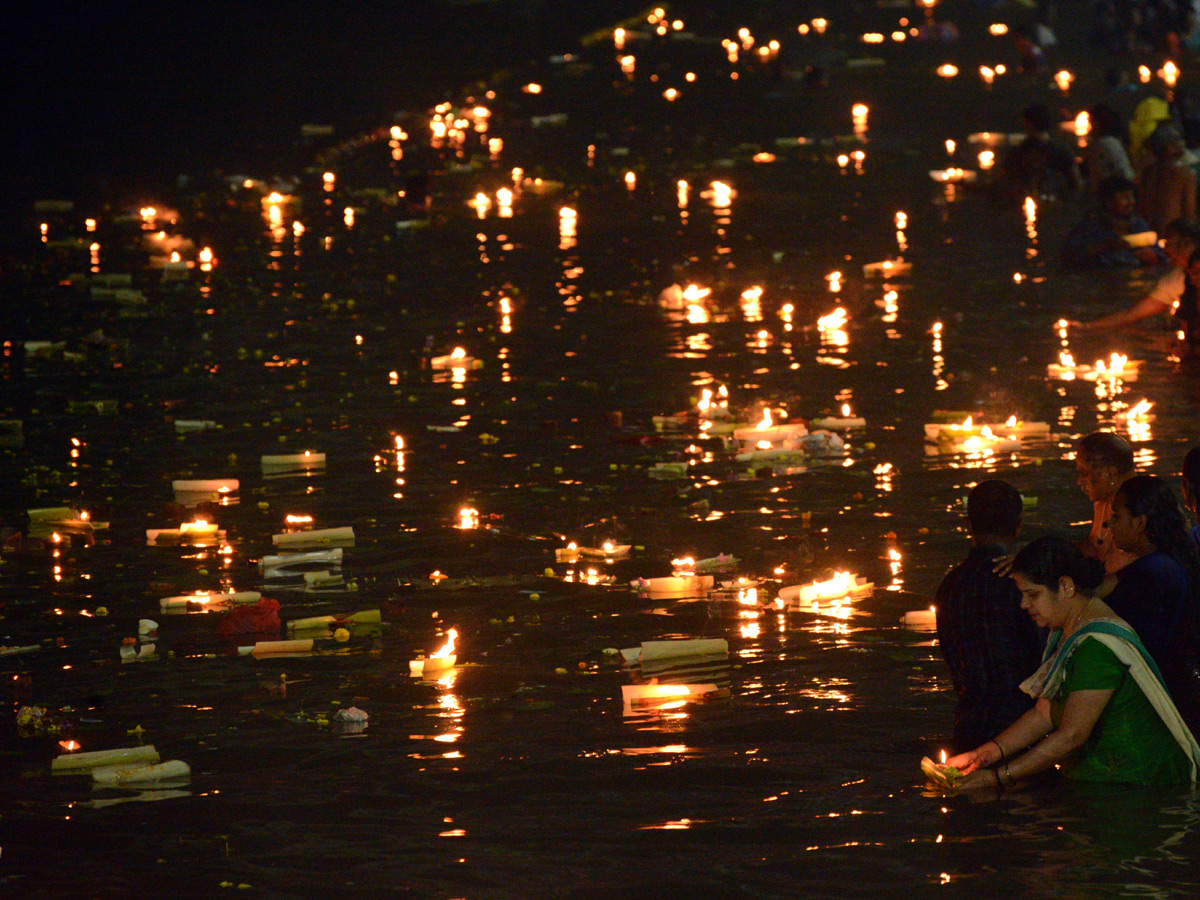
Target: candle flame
point(766, 420)
point(835, 319)
point(448, 648)
point(1139, 410)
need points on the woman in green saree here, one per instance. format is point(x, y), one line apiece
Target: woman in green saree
point(1102, 712)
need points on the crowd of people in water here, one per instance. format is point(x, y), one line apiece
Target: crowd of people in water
point(1084, 657)
point(1079, 656)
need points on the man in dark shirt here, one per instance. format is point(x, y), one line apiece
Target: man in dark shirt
point(990, 644)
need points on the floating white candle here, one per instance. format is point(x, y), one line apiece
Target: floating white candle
point(674, 585)
point(205, 486)
point(839, 422)
point(888, 268)
point(775, 436)
point(306, 460)
point(456, 359)
point(208, 599)
point(1118, 367)
point(319, 537)
point(444, 658)
point(954, 176)
point(272, 648)
point(664, 696)
point(198, 533)
point(920, 617)
point(1141, 239)
point(841, 585)
point(122, 756)
point(289, 563)
point(653, 651)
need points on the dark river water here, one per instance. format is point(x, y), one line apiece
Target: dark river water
point(519, 773)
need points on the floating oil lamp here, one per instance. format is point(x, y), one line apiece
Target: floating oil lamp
point(841, 586)
point(951, 146)
point(888, 268)
point(987, 159)
point(439, 660)
point(872, 37)
point(1169, 73)
point(947, 70)
point(1144, 74)
point(1063, 79)
point(998, 29)
point(819, 25)
point(954, 175)
point(988, 74)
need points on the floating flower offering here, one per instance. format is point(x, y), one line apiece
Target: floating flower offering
point(441, 659)
point(1118, 366)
